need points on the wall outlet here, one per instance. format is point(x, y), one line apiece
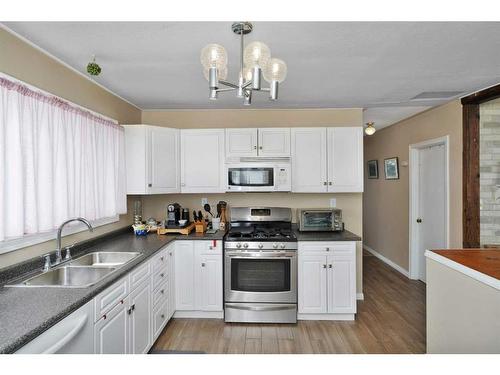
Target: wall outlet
point(333, 202)
point(204, 201)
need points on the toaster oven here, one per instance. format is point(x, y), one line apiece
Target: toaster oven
point(320, 220)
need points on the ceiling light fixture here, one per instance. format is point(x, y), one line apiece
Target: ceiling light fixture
point(370, 129)
point(255, 63)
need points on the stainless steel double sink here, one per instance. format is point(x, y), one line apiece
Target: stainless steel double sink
point(80, 272)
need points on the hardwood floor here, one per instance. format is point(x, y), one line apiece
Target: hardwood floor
point(391, 319)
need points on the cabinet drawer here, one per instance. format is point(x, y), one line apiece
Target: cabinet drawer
point(208, 247)
point(107, 299)
point(161, 293)
point(326, 248)
point(160, 318)
point(160, 260)
point(159, 277)
point(139, 275)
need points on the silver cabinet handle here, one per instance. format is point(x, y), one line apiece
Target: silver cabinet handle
point(255, 147)
point(330, 266)
point(330, 183)
point(327, 249)
point(325, 183)
point(203, 264)
point(324, 265)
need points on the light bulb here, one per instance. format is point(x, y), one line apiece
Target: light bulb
point(275, 70)
point(256, 54)
point(370, 129)
point(222, 73)
point(213, 55)
point(247, 74)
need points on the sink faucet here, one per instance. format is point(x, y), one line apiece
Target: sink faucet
point(59, 232)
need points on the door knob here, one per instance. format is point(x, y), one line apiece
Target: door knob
point(419, 220)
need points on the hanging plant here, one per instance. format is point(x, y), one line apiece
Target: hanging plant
point(93, 68)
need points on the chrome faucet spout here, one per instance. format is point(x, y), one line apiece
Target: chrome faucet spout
point(59, 235)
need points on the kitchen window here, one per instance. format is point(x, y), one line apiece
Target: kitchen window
point(57, 161)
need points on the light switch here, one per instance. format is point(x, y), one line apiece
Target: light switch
point(333, 202)
point(204, 201)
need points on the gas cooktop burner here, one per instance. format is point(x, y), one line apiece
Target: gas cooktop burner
point(260, 235)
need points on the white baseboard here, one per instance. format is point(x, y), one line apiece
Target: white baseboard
point(360, 296)
point(199, 314)
point(325, 316)
point(387, 261)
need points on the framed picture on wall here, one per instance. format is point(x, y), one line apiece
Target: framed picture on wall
point(372, 168)
point(391, 168)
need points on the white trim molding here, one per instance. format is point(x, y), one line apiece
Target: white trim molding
point(387, 261)
point(413, 198)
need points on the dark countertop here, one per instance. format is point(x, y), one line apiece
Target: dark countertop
point(326, 236)
point(26, 312)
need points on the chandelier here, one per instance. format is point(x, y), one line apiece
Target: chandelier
point(255, 63)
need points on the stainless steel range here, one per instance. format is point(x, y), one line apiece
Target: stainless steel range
point(260, 266)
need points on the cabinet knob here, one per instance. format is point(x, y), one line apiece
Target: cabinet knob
point(330, 183)
point(162, 274)
point(419, 220)
point(170, 253)
point(325, 183)
point(210, 247)
point(162, 291)
point(150, 185)
point(203, 264)
point(260, 148)
point(183, 184)
point(255, 147)
point(330, 266)
point(162, 259)
point(324, 265)
point(327, 249)
point(162, 316)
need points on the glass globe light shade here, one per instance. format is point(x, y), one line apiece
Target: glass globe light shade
point(256, 54)
point(275, 70)
point(370, 129)
point(213, 55)
point(247, 74)
point(222, 73)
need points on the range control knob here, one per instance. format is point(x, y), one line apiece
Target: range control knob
point(245, 245)
point(275, 245)
point(238, 245)
point(261, 246)
point(282, 245)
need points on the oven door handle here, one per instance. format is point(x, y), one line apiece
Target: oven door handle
point(288, 254)
point(261, 308)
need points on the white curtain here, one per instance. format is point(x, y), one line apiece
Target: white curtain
point(57, 161)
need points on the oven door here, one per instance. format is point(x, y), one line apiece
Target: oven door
point(260, 276)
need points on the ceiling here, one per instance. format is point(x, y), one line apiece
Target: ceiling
point(378, 66)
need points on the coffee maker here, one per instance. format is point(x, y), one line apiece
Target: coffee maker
point(173, 214)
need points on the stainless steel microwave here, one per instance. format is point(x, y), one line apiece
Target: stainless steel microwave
point(320, 219)
point(262, 175)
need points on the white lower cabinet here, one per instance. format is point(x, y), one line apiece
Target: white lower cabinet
point(327, 280)
point(111, 332)
point(140, 318)
point(198, 278)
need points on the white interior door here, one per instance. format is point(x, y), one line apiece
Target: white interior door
point(432, 202)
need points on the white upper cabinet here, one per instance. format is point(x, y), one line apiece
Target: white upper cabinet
point(152, 159)
point(345, 159)
point(202, 161)
point(327, 160)
point(274, 142)
point(270, 142)
point(241, 142)
point(309, 161)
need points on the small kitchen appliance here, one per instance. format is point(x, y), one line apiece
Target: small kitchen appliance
point(320, 220)
point(259, 174)
point(173, 214)
point(260, 266)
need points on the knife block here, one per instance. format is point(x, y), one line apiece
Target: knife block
point(200, 226)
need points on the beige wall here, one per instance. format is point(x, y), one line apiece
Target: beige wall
point(26, 63)
point(462, 313)
point(234, 118)
point(386, 202)
point(350, 203)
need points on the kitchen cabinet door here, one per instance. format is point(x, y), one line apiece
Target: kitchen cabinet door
point(241, 142)
point(312, 284)
point(274, 142)
point(309, 160)
point(171, 280)
point(345, 159)
point(341, 284)
point(139, 311)
point(202, 161)
point(163, 163)
point(111, 332)
point(209, 282)
point(184, 275)
point(152, 159)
